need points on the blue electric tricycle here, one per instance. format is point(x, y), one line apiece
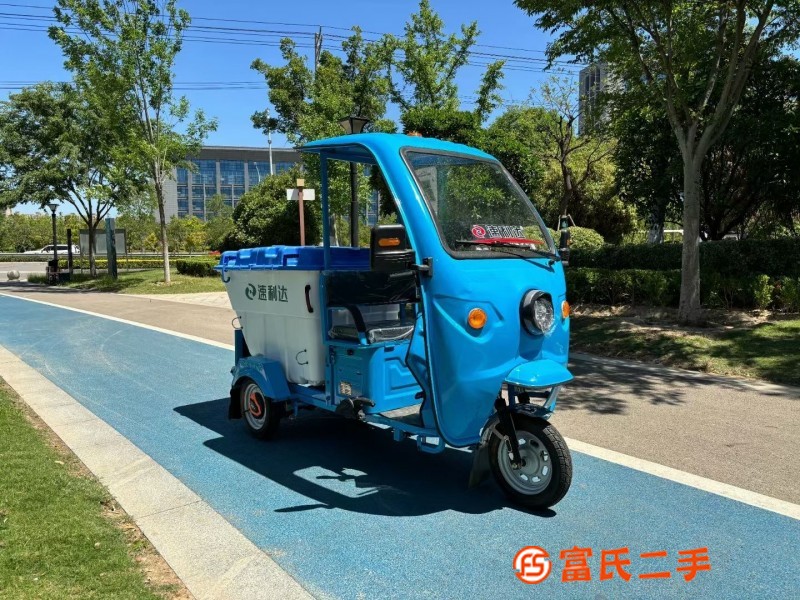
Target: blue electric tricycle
point(451, 329)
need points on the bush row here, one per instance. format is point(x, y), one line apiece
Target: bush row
point(198, 268)
point(777, 258)
point(10, 257)
point(662, 288)
point(122, 263)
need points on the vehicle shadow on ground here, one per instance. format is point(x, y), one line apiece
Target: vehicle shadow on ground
point(608, 388)
point(345, 464)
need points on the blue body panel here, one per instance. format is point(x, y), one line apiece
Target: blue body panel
point(461, 370)
point(268, 374)
point(377, 372)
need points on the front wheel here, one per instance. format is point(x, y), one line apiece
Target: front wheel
point(261, 415)
point(546, 474)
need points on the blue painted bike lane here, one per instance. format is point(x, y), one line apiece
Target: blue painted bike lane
point(350, 513)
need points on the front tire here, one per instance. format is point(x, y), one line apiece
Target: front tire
point(547, 473)
point(261, 415)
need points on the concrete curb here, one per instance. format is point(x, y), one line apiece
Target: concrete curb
point(211, 557)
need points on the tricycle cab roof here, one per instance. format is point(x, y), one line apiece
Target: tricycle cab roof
point(364, 147)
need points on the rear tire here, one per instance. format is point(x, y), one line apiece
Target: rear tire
point(547, 474)
point(261, 415)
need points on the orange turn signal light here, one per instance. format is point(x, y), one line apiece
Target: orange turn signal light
point(565, 309)
point(388, 242)
point(477, 318)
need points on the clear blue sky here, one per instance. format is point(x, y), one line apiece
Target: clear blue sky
point(29, 55)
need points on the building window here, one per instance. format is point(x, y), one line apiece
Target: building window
point(232, 179)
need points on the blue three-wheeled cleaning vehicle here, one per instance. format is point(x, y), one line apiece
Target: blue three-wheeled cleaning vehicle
point(452, 328)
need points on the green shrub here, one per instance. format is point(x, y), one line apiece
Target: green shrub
point(10, 257)
point(198, 268)
point(788, 294)
point(777, 258)
point(662, 288)
point(582, 238)
point(122, 263)
point(761, 290)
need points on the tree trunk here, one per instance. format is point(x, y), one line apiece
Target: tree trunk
point(163, 221)
point(92, 246)
point(565, 174)
point(689, 310)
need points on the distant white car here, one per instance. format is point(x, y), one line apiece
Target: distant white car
point(60, 249)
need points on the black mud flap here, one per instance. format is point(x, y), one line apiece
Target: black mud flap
point(235, 406)
point(480, 465)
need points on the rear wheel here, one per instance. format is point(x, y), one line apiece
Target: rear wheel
point(546, 474)
point(261, 415)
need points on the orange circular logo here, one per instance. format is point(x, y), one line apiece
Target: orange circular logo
point(532, 564)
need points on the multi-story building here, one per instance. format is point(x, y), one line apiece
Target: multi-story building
point(226, 170)
point(230, 171)
point(593, 81)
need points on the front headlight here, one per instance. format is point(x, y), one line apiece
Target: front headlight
point(537, 312)
point(543, 314)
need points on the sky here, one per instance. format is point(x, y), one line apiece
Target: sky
point(213, 70)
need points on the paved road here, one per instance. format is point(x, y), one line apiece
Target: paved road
point(24, 268)
point(351, 514)
point(734, 431)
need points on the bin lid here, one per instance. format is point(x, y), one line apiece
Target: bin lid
point(298, 258)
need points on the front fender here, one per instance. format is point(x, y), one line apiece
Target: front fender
point(267, 373)
point(541, 373)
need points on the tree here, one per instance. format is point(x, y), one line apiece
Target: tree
point(263, 216)
point(20, 233)
point(59, 145)
point(649, 166)
point(421, 70)
point(187, 233)
point(695, 56)
point(310, 103)
point(125, 51)
point(563, 146)
point(515, 138)
point(219, 222)
point(137, 219)
point(749, 178)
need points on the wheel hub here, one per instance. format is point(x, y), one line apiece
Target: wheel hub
point(534, 473)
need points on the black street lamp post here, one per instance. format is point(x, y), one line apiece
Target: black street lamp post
point(54, 271)
point(353, 124)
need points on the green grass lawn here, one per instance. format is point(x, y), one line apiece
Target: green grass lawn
point(143, 282)
point(56, 538)
point(765, 349)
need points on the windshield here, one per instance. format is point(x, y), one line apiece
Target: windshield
point(479, 209)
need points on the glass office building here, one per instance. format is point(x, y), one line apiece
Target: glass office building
point(224, 170)
point(230, 172)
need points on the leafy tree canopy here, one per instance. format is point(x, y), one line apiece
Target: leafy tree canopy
point(263, 216)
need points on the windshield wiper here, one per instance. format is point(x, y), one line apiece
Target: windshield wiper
point(512, 243)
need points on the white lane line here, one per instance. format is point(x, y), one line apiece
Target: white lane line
point(186, 336)
point(204, 550)
point(775, 505)
point(782, 507)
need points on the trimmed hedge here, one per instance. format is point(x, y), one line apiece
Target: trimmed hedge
point(198, 268)
point(777, 258)
point(122, 263)
point(662, 288)
point(11, 257)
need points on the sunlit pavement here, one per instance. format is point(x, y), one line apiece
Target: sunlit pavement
point(349, 513)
